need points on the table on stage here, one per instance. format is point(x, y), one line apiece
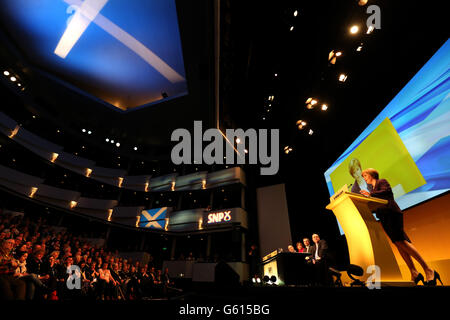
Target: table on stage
point(290, 268)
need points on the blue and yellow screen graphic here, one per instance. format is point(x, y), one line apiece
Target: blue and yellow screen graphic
point(408, 143)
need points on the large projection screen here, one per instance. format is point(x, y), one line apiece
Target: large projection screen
point(409, 141)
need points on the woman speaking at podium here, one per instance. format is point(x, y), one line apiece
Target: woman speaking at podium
point(391, 218)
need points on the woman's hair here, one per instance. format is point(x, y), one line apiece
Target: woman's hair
point(299, 243)
point(372, 172)
point(353, 165)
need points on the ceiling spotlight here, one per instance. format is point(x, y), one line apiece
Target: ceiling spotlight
point(13, 78)
point(19, 85)
point(6, 73)
point(117, 144)
point(362, 2)
point(84, 130)
point(245, 150)
point(332, 56)
point(107, 140)
point(324, 107)
point(370, 29)
point(354, 29)
point(89, 132)
point(135, 148)
point(295, 13)
point(287, 149)
point(112, 141)
point(238, 140)
point(264, 118)
point(292, 28)
point(276, 74)
point(34, 117)
point(310, 132)
point(359, 48)
point(342, 77)
point(313, 101)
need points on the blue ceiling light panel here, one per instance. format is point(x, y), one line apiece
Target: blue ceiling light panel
point(124, 53)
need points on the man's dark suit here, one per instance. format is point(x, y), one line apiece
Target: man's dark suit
point(320, 266)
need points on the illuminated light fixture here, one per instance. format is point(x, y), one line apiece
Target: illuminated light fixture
point(78, 24)
point(13, 79)
point(107, 140)
point(332, 56)
point(295, 13)
point(359, 48)
point(19, 84)
point(14, 132)
point(73, 204)
point(362, 2)
point(310, 103)
point(313, 101)
point(287, 149)
point(310, 132)
point(6, 73)
point(200, 224)
point(88, 172)
point(258, 280)
point(34, 117)
point(146, 186)
point(32, 192)
point(172, 188)
point(264, 118)
point(54, 157)
point(138, 218)
point(120, 182)
point(245, 150)
point(112, 141)
point(292, 28)
point(117, 144)
point(238, 140)
point(370, 29)
point(135, 148)
point(89, 132)
point(84, 130)
point(271, 98)
point(110, 211)
point(276, 74)
point(203, 184)
point(342, 77)
point(324, 107)
point(166, 225)
point(354, 29)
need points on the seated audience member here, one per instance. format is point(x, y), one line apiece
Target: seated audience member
point(106, 282)
point(291, 248)
point(31, 280)
point(300, 247)
point(11, 288)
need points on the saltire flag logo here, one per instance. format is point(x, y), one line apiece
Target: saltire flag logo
point(153, 218)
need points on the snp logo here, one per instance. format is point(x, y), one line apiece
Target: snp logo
point(74, 279)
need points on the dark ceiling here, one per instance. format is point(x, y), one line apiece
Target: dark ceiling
point(258, 43)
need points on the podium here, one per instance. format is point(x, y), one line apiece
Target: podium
point(368, 244)
point(290, 268)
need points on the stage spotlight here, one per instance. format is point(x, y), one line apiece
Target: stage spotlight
point(310, 132)
point(6, 73)
point(238, 140)
point(266, 279)
point(354, 29)
point(332, 56)
point(89, 132)
point(287, 149)
point(107, 140)
point(359, 48)
point(13, 79)
point(253, 280)
point(362, 2)
point(245, 150)
point(258, 280)
point(19, 84)
point(295, 13)
point(276, 74)
point(342, 77)
point(84, 130)
point(117, 144)
point(324, 107)
point(292, 28)
point(135, 148)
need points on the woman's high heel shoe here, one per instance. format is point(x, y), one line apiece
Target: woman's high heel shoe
point(432, 283)
point(419, 278)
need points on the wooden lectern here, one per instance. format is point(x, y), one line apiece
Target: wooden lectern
point(367, 242)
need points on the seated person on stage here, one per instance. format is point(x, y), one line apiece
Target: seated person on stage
point(300, 247)
point(319, 260)
point(308, 248)
point(291, 248)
